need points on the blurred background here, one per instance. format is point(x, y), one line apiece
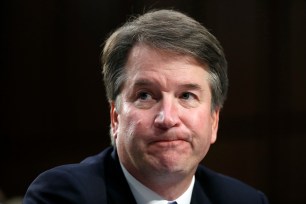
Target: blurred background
point(53, 110)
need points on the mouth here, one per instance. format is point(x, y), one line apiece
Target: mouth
point(170, 140)
point(168, 143)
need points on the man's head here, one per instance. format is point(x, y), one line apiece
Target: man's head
point(166, 81)
point(170, 31)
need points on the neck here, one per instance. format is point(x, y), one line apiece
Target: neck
point(170, 186)
point(170, 190)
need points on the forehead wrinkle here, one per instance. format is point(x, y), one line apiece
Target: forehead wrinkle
point(191, 86)
point(162, 73)
point(150, 82)
point(142, 82)
point(141, 49)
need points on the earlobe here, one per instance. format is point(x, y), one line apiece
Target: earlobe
point(215, 124)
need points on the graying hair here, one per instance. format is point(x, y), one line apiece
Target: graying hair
point(171, 31)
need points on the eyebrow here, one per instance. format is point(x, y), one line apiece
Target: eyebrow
point(189, 86)
point(142, 82)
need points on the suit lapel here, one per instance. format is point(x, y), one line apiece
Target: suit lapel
point(198, 195)
point(117, 187)
point(118, 190)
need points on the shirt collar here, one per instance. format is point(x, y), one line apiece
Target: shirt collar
point(144, 195)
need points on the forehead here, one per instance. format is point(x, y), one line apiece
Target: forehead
point(163, 67)
point(142, 50)
point(143, 56)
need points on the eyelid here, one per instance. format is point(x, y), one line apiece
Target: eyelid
point(191, 93)
point(139, 93)
point(144, 99)
point(143, 91)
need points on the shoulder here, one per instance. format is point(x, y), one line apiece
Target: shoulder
point(225, 189)
point(71, 183)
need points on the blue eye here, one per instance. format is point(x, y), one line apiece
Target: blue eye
point(186, 95)
point(144, 100)
point(144, 96)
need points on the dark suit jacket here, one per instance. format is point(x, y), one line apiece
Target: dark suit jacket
point(99, 180)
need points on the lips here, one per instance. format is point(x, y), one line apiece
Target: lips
point(168, 143)
point(170, 138)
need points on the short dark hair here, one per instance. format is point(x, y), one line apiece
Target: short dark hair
point(171, 31)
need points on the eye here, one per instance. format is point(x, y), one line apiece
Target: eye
point(144, 100)
point(187, 96)
point(144, 96)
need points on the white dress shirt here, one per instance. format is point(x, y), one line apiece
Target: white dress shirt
point(144, 195)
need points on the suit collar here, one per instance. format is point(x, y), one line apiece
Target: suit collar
point(198, 195)
point(118, 189)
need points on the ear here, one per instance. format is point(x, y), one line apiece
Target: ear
point(114, 120)
point(214, 125)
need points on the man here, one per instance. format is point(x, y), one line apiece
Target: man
point(166, 81)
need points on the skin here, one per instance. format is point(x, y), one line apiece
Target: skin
point(162, 123)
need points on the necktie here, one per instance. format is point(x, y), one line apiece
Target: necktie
point(172, 202)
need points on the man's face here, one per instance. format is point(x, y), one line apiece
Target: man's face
point(163, 123)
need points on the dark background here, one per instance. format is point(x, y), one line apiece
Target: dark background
point(53, 110)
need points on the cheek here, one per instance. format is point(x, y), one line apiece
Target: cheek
point(200, 123)
point(133, 124)
point(197, 117)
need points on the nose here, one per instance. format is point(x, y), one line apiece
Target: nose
point(167, 116)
